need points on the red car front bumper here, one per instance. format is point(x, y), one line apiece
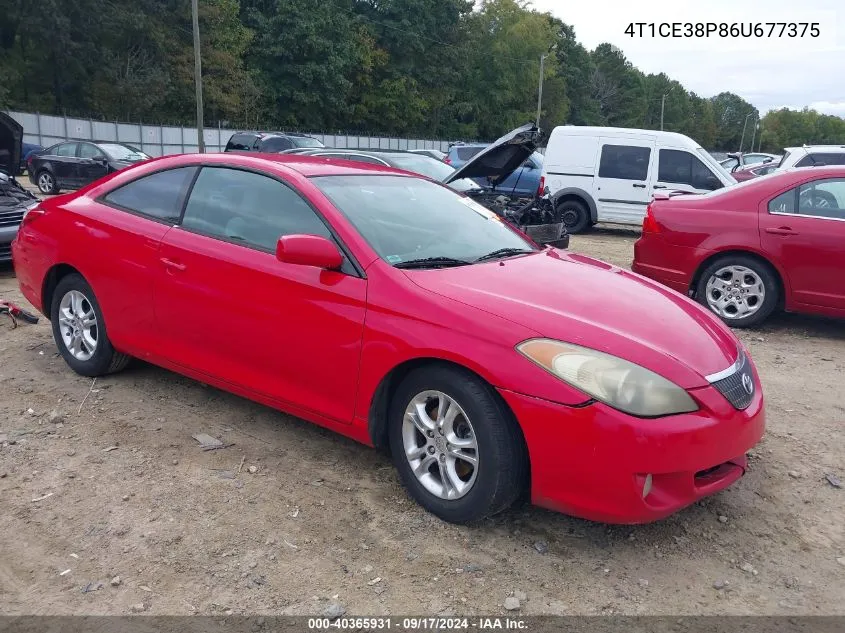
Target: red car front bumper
point(593, 461)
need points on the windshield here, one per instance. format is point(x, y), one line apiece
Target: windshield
point(122, 152)
point(405, 218)
point(305, 141)
point(420, 164)
point(716, 166)
point(432, 168)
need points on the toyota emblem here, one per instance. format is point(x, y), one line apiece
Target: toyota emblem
point(748, 383)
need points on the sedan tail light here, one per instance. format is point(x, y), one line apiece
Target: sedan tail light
point(447, 160)
point(650, 224)
point(542, 186)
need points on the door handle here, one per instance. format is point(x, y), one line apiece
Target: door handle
point(659, 186)
point(781, 230)
point(171, 264)
point(639, 185)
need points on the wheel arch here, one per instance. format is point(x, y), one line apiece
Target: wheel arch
point(741, 252)
point(54, 275)
point(380, 402)
point(580, 195)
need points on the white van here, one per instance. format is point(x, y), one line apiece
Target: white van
point(607, 174)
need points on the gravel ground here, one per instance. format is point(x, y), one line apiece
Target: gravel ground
point(290, 519)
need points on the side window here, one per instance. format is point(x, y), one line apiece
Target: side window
point(66, 149)
point(86, 150)
point(158, 196)
point(808, 161)
point(465, 153)
point(626, 162)
point(823, 198)
point(248, 208)
point(784, 203)
point(256, 143)
point(684, 168)
point(276, 144)
point(240, 142)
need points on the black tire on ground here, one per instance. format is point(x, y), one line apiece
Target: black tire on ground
point(502, 474)
point(763, 270)
point(105, 359)
point(576, 216)
point(49, 186)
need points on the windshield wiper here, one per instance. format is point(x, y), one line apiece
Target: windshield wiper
point(503, 252)
point(432, 262)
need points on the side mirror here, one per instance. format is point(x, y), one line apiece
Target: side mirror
point(309, 250)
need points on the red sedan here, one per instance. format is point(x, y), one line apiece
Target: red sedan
point(395, 311)
point(743, 251)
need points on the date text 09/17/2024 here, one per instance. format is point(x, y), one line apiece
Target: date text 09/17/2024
point(767, 30)
point(422, 623)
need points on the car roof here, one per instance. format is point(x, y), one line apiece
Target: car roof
point(305, 165)
point(822, 149)
point(622, 132)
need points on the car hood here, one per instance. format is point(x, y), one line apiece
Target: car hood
point(580, 300)
point(502, 157)
point(11, 141)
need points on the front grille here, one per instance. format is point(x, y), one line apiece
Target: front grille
point(11, 218)
point(739, 386)
point(5, 252)
point(544, 233)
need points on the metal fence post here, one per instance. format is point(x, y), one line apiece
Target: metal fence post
point(64, 118)
point(182, 134)
point(38, 121)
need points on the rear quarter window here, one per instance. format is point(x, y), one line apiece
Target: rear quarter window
point(465, 153)
point(158, 196)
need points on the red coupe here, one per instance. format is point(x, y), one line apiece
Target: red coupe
point(743, 251)
point(402, 314)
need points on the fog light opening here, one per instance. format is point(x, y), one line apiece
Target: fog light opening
point(647, 485)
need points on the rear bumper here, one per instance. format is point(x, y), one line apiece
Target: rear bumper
point(672, 266)
point(593, 461)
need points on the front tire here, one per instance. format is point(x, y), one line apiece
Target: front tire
point(80, 330)
point(576, 216)
point(46, 182)
point(740, 290)
point(457, 448)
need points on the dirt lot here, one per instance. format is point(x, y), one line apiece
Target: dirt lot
point(312, 520)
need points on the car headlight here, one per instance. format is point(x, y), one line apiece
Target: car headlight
point(614, 381)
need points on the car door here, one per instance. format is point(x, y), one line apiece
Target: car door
point(92, 164)
point(64, 164)
point(228, 308)
point(681, 170)
point(804, 230)
point(621, 187)
point(126, 230)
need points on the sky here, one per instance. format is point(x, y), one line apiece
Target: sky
point(769, 73)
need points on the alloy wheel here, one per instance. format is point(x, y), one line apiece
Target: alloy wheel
point(735, 292)
point(440, 445)
point(45, 183)
point(78, 325)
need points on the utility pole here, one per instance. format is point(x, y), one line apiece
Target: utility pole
point(198, 75)
point(754, 133)
point(760, 141)
point(742, 140)
point(540, 89)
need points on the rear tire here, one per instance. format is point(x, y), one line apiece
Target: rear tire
point(46, 182)
point(80, 330)
point(500, 473)
point(576, 216)
point(734, 283)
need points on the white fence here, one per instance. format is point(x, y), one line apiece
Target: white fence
point(160, 140)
